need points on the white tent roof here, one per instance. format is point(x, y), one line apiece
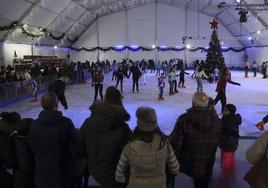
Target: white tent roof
point(74, 17)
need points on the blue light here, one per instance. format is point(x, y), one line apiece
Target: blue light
point(134, 46)
point(249, 38)
point(163, 47)
point(119, 46)
point(178, 46)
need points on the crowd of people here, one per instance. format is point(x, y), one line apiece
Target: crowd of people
point(49, 152)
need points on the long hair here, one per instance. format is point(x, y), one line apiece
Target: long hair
point(149, 136)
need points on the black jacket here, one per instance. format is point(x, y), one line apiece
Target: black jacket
point(58, 87)
point(136, 73)
point(230, 132)
point(24, 171)
point(52, 140)
point(103, 137)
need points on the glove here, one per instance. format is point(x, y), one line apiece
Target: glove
point(260, 125)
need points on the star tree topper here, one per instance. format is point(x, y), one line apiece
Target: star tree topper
point(214, 24)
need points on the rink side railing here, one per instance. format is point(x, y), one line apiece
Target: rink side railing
point(16, 91)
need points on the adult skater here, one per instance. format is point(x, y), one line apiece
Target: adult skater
point(114, 70)
point(182, 75)
point(246, 68)
point(58, 87)
point(119, 77)
point(136, 74)
point(221, 87)
point(199, 75)
point(97, 82)
point(171, 76)
point(254, 68)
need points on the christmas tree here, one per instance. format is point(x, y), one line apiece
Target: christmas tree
point(214, 56)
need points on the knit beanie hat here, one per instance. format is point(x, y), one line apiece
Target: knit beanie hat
point(200, 99)
point(113, 96)
point(231, 108)
point(146, 119)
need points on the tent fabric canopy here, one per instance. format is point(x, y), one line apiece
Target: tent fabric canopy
point(74, 17)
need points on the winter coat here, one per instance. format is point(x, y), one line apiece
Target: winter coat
point(7, 155)
point(230, 132)
point(24, 171)
point(53, 142)
point(58, 87)
point(258, 149)
point(7, 150)
point(195, 139)
point(136, 73)
point(97, 77)
point(103, 136)
point(147, 163)
point(119, 74)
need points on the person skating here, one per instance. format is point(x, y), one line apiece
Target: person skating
point(136, 74)
point(35, 88)
point(58, 87)
point(221, 87)
point(171, 76)
point(199, 75)
point(182, 77)
point(161, 86)
point(119, 78)
point(254, 68)
point(97, 82)
point(114, 70)
point(229, 141)
point(174, 80)
point(246, 64)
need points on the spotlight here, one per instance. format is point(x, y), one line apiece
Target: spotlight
point(259, 32)
point(249, 38)
point(153, 46)
point(243, 16)
point(188, 46)
point(55, 47)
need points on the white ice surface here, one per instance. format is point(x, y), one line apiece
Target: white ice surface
point(250, 99)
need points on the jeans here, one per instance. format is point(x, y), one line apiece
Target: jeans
point(199, 84)
point(161, 91)
point(170, 87)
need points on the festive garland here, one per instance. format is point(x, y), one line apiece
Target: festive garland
point(135, 49)
point(13, 25)
point(42, 32)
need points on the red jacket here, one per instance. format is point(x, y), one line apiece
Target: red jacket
point(221, 86)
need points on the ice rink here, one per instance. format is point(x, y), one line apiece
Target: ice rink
point(250, 99)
